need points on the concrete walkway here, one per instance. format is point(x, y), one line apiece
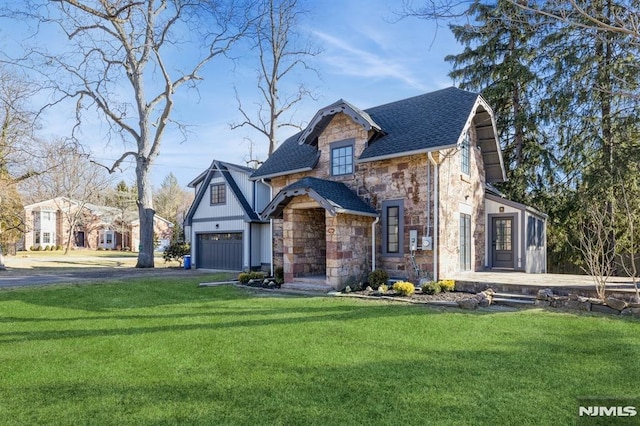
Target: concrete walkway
point(520, 282)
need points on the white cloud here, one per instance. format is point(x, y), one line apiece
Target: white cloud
point(344, 58)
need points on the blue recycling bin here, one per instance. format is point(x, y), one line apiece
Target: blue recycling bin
point(187, 262)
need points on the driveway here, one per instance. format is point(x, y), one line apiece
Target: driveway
point(28, 271)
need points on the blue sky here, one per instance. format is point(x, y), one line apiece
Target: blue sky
point(367, 60)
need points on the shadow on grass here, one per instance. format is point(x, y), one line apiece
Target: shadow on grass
point(267, 317)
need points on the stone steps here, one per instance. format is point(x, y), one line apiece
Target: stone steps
point(314, 286)
point(513, 299)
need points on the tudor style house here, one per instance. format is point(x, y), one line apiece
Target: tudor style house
point(223, 225)
point(53, 222)
point(406, 187)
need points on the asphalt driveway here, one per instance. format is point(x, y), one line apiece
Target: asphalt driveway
point(38, 270)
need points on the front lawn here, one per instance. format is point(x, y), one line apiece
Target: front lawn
point(159, 351)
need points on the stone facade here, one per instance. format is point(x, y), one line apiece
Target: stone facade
point(461, 193)
point(347, 238)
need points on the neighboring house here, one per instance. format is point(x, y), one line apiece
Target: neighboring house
point(405, 187)
point(52, 222)
point(222, 224)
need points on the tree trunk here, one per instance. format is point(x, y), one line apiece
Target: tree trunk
point(145, 213)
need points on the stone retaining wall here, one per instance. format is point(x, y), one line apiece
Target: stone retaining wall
point(611, 305)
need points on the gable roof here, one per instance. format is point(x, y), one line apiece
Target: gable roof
point(420, 124)
point(335, 197)
point(205, 178)
point(323, 117)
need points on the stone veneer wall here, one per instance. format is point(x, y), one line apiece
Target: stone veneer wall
point(403, 178)
point(348, 248)
point(304, 239)
point(459, 191)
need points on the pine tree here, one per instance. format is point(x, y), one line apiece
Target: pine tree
point(499, 61)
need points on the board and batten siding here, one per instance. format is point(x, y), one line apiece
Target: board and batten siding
point(228, 210)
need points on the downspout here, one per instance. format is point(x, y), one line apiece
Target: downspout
point(436, 206)
point(270, 229)
point(373, 243)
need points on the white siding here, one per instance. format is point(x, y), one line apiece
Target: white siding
point(263, 196)
point(230, 209)
point(536, 254)
point(265, 243)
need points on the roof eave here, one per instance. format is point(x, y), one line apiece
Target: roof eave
point(404, 154)
point(284, 173)
point(356, 212)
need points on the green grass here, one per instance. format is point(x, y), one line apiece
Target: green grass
point(165, 352)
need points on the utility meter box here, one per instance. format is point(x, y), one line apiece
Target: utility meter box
point(427, 243)
point(413, 240)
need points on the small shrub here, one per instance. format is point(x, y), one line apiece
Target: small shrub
point(447, 285)
point(32, 248)
point(432, 288)
point(39, 248)
point(176, 252)
point(383, 288)
point(404, 288)
point(58, 248)
point(279, 275)
point(352, 282)
point(378, 278)
point(245, 277)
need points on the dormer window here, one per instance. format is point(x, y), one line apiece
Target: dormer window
point(465, 154)
point(342, 157)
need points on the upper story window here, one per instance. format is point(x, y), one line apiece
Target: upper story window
point(465, 154)
point(46, 216)
point(218, 194)
point(342, 158)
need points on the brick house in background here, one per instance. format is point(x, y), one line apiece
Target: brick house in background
point(49, 223)
point(406, 187)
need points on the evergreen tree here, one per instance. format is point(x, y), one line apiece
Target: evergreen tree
point(589, 76)
point(499, 61)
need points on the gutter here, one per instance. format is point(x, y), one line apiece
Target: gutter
point(404, 154)
point(270, 229)
point(373, 243)
point(436, 206)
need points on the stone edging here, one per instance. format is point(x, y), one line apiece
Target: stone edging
point(610, 305)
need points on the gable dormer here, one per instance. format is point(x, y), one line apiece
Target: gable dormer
point(340, 132)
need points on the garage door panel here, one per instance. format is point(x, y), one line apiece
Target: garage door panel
point(220, 251)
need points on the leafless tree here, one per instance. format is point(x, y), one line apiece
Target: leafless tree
point(629, 242)
point(624, 19)
point(172, 202)
point(597, 252)
point(280, 52)
point(74, 180)
point(118, 61)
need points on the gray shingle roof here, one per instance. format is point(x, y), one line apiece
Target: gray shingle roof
point(207, 175)
point(288, 157)
point(420, 123)
point(334, 196)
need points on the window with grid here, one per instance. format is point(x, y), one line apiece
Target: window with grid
point(218, 194)
point(465, 154)
point(392, 228)
point(342, 158)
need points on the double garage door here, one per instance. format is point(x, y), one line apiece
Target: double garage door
point(220, 251)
